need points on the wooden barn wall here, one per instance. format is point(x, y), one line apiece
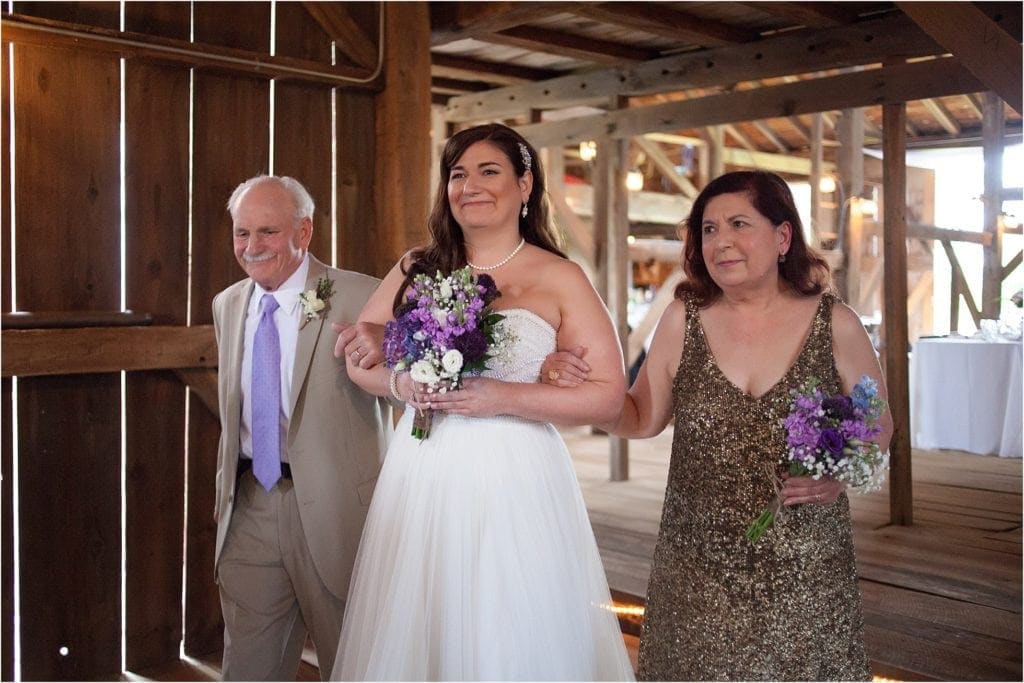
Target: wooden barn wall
point(66, 257)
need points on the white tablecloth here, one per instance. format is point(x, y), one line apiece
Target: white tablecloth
point(965, 394)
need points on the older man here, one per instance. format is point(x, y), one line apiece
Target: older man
point(300, 444)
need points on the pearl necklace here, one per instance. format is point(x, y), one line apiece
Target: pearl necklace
point(500, 263)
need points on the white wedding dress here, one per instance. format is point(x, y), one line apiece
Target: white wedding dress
point(478, 561)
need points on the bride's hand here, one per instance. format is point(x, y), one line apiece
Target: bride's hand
point(478, 397)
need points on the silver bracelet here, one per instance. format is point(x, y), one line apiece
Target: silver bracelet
point(393, 383)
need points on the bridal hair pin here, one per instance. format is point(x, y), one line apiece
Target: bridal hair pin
point(527, 159)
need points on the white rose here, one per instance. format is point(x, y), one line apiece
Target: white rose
point(452, 361)
point(423, 372)
point(440, 315)
point(446, 289)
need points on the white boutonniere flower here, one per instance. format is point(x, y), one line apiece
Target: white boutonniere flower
point(314, 301)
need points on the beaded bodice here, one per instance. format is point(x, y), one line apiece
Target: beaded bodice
point(531, 339)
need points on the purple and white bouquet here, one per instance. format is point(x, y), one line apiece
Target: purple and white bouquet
point(831, 436)
point(445, 328)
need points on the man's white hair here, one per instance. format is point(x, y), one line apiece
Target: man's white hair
point(304, 205)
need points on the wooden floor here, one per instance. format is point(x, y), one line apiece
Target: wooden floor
point(942, 598)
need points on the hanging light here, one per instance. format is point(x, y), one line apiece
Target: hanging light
point(634, 180)
point(827, 184)
point(588, 150)
point(868, 207)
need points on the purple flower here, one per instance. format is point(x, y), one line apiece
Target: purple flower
point(838, 407)
point(832, 441)
point(472, 345)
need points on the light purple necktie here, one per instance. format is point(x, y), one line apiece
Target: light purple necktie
point(266, 397)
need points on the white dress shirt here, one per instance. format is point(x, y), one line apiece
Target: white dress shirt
point(287, 318)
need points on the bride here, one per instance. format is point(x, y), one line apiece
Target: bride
point(478, 560)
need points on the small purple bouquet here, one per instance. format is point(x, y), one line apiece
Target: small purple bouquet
point(831, 436)
point(446, 327)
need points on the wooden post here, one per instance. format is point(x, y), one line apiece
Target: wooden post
point(901, 502)
point(817, 212)
point(992, 151)
point(854, 247)
point(403, 137)
point(611, 224)
point(618, 281)
point(716, 147)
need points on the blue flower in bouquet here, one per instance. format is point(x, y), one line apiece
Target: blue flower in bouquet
point(831, 436)
point(445, 328)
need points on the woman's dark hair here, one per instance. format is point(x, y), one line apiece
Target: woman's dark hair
point(447, 248)
point(804, 269)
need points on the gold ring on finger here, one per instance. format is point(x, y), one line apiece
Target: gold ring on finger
point(552, 374)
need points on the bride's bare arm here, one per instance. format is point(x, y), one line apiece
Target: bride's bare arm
point(378, 310)
point(584, 321)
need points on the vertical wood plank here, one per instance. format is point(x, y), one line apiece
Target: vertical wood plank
point(402, 159)
point(67, 155)
point(156, 250)
point(993, 115)
point(894, 239)
point(231, 143)
point(357, 208)
point(6, 397)
point(302, 121)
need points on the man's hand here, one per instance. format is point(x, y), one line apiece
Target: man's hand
point(361, 343)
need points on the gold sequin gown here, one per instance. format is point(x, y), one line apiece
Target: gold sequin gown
point(719, 607)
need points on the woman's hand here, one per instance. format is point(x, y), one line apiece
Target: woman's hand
point(824, 491)
point(478, 397)
point(565, 368)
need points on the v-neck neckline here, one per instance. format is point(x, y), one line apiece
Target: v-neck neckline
point(785, 375)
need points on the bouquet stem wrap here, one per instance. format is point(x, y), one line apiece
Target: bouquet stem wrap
point(423, 419)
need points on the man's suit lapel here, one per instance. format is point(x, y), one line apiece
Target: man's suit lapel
point(237, 312)
point(309, 332)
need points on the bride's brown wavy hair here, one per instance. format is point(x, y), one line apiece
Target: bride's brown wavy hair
point(804, 269)
point(446, 250)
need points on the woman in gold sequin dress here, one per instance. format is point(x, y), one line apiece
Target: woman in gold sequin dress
point(753, 320)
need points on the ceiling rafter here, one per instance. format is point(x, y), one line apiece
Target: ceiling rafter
point(452, 21)
point(942, 116)
point(809, 14)
point(569, 45)
point(662, 20)
point(449, 66)
point(348, 37)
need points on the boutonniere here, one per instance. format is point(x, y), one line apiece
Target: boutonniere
point(315, 301)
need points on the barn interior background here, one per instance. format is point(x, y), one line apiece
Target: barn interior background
point(127, 124)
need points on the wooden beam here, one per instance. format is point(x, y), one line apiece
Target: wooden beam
point(658, 157)
point(450, 66)
point(662, 20)
point(942, 117)
point(810, 14)
point(35, 31)
point(1012, 264)
point(894, 320)
point(33, 353)
point(981, 45)
point(863, 43)
point(960, 285)
point(452, 21)
point(770, 135)
point(578, 232)
point(933, 78)
point(348, 37)
point(454, 85)
point(931, 232)
point(768, 161)
point(569, 45)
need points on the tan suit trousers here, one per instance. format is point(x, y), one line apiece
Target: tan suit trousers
point(270, 592)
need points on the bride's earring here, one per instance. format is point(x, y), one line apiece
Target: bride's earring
point(524, 211)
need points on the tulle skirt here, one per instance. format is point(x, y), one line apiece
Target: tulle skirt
point(478, 562)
